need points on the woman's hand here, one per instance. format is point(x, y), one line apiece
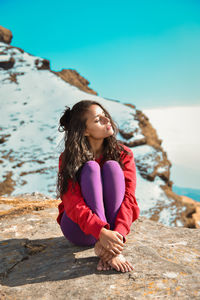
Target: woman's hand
point(100, 251)
point(111, 240)
point(106, 255)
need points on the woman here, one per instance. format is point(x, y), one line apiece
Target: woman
point(96, 183)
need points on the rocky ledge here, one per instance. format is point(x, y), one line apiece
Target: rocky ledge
point(74, 78)
point(37, 262)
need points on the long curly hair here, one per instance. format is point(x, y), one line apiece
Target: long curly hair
point(77, 149)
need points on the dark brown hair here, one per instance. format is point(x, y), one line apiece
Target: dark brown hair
point(77, 149)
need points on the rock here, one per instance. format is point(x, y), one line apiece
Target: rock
point(42, 64)
point(4, 138)
point(74, 78)
point(154, 162)
point(154, 150)
point(162, 164)
point(6, 62)
point(7, 186)
point(159, 167)
point(5, 35)
point(190, 216)
point(196, 210)
point(129, 135)
point(39, 263)
point(22, 204)
point(147, 129)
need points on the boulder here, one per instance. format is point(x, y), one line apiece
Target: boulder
point(5, 35)
point(6, 62)
point(37, 262)
point(42, 64)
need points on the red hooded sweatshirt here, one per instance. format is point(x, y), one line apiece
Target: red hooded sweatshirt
point(77, 210)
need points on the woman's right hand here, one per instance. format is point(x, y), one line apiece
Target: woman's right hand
point(111, 240)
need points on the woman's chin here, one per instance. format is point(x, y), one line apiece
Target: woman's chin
point(110, 132)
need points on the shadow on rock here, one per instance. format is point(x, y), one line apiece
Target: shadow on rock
point(24, 262)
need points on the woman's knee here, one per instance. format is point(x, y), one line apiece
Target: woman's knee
point(111, 164)
point(91, 166)
point(112, 168)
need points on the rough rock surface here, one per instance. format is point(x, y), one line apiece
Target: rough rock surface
point(37, 262)
point(5, 35)
point(74, 78)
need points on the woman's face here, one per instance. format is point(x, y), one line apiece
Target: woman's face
point(98, 126)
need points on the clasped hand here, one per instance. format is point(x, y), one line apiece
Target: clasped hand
point(112, 241)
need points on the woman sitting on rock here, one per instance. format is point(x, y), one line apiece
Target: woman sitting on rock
point(96, 183)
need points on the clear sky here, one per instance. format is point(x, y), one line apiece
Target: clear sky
point(144, 52)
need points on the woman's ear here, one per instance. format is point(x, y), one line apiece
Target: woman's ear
point(86, 134)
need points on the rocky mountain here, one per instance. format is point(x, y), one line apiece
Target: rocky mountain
point(32, 99)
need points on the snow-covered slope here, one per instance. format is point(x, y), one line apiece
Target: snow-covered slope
point(32, 101)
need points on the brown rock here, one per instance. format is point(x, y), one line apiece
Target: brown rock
point(129, 135)
point(4, 138)
point(13, 76)
point(162, 167)
point(37, 262)
point(195, 211)
point(42, 64)
point(19, 205)
point(147, 130)
point(7, 185)
point(5, 35)
point(190, 217)
point(7, 64)
point(74, 78)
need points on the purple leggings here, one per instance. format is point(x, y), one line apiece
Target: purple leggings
point(103, 191)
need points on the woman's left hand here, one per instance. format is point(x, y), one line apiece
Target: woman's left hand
point(111, 240)
point(102, 252)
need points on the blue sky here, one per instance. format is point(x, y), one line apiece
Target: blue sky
point(143, 52)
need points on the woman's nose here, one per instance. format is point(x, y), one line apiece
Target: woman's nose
point(106, 120)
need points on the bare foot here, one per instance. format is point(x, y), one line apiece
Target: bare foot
point(120, 263)
point(98, 248)
point(103, 266)
point(101, 252)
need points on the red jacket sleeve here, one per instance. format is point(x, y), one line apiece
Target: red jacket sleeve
point(129, 210)
point(77, 210)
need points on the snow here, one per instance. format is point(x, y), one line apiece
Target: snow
point(5, 57)
point(162, 169)
point(137, 136)
point(147, 157)
point(150, 196)
point(32, 120)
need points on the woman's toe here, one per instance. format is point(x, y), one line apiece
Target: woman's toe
point(106, 266)
point(100, 266)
